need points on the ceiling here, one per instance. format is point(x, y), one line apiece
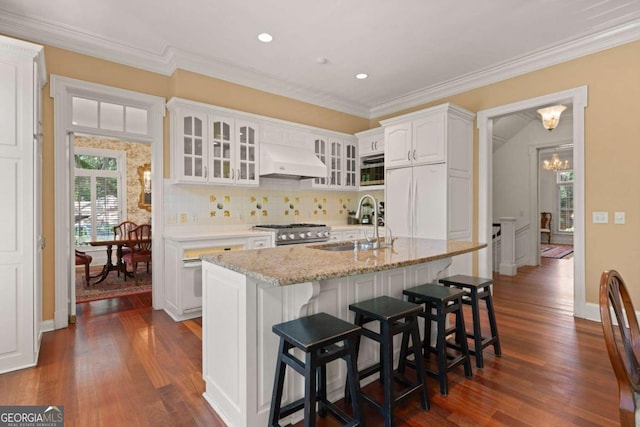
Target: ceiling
point(414, 51)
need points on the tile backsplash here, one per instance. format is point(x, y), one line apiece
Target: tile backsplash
point(218, 206)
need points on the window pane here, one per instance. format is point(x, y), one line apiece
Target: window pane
point(136, 120)
point(84, 112)
point(85, 161)
point(107, 207)
point(82, 210)
point(111, 116)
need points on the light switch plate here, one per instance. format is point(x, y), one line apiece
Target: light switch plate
point(600, 217)
point(619, 218)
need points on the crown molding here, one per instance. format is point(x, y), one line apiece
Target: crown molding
point(85, 43)
point(259, 80)
point(171, 58)
point(557, 54)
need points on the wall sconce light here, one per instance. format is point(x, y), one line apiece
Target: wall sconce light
point(551, 116)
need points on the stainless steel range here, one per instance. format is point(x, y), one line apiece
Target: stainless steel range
point(297, 233)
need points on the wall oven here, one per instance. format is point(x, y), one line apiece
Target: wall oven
point(372, 170)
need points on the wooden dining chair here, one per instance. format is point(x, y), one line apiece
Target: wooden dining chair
point(123, 229)
point(139, 248)
point(622, 338)
point(82, 258)
point(545, 225)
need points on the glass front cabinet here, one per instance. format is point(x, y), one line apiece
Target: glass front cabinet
point(211, 147)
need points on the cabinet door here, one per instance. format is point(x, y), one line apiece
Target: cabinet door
point(430, 201)
point(397, 146)
point(247, 153)
point(336, 178)
point(399, 201)
point(222, 150)
point(320, 148)
point(351, 165)
point(193, 148)
point(429, 139)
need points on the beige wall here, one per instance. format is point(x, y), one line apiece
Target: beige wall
point(612, 149)
point(612, 135)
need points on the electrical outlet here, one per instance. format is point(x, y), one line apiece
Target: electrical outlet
point(183, 218)
point(619, 218)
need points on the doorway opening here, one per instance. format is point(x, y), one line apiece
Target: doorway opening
point(109, 190)
point(577, 98)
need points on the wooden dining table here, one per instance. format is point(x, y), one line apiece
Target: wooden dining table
point(109, 266)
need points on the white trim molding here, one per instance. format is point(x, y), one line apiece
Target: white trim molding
point(62, 90)
point(577, 97)
point(170, 58)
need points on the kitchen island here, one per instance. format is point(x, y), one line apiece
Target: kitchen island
point(245, 293)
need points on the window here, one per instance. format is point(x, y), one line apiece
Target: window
point(564, 181)
point(98, 199)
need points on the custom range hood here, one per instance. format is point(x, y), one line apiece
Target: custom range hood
point(280, 161)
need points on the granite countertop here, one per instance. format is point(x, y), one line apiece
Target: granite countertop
point(286, 265)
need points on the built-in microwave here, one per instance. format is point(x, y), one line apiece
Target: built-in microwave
point(372, 170)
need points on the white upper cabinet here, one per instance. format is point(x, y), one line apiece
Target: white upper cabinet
point(416, 138)
point(212, 147)
point(341, 158)
point(370, 142)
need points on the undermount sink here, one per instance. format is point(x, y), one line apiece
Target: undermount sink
point(348, 246)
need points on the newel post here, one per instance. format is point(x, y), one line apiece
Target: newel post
point(508, 265)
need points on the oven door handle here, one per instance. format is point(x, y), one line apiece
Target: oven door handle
point(192, 263)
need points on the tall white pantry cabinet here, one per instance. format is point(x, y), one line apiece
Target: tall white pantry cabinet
point(428, 182)
point(22, 75)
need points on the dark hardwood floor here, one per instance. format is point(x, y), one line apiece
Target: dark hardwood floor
point(124, 364)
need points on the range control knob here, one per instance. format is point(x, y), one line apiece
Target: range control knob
point(282, 237)
point(292, 236)
point(308, 234)
point(326, 234)
point(302, 235)
point(320, 234)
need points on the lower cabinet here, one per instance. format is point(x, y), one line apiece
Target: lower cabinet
point(183, 269)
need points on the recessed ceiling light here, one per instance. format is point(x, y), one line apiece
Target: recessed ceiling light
point(361, 76)
point(265, 37)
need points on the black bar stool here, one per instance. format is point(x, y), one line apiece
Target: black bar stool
point(478, 289)
point(395, 316)
point(317, 336)
point(445, 301)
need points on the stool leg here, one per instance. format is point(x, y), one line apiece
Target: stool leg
point(404, 347)
point(421, 379)
point(441, 347)
point(358, 320)
point(278, 385)
point(493, 325)
point(322, 390)
point(426, 344)
point(461, 338)
point(477, 334)
point(353, 380)
point(387, 373)
point(310, 391)
point(402, 361)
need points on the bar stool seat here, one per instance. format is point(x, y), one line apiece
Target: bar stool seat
point(317, 336)
point(445, 301)
point(478, 289)
point(394, 316)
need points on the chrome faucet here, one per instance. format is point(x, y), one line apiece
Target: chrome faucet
point(375, 241)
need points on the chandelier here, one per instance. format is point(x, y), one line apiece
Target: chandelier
point(555, 164)
point(551, 116)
